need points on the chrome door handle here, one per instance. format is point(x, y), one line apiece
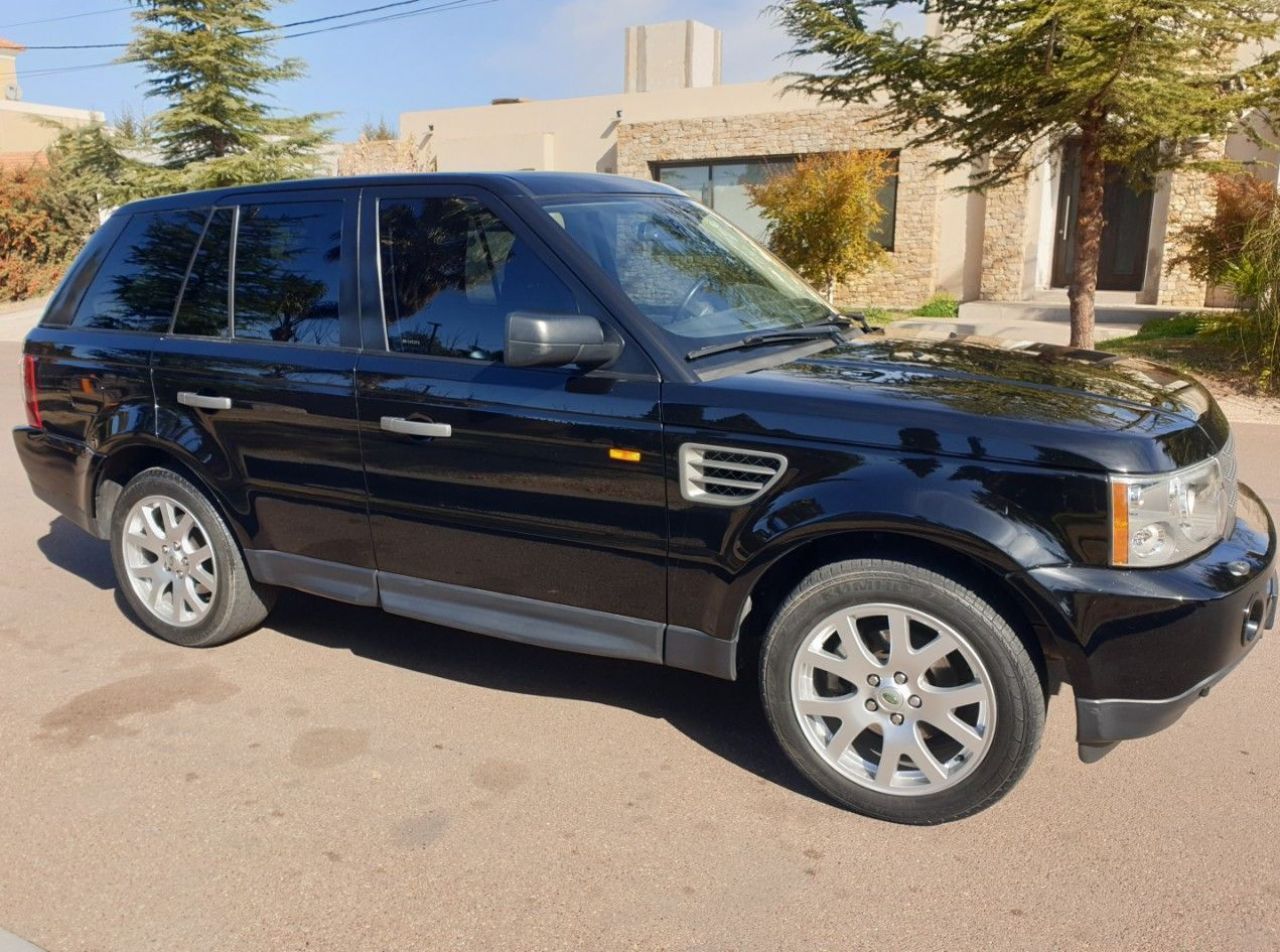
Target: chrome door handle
point(187, 398)
point(416, 427)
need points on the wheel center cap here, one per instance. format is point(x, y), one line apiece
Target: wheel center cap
point(891, 698)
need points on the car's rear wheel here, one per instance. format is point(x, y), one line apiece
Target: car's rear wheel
point(179, 567)
point(902, 694)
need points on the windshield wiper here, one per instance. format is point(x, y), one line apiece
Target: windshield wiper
point(831, 329)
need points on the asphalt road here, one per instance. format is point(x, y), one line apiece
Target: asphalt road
point(344, 780)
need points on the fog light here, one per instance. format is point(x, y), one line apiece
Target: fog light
point(1253, 621)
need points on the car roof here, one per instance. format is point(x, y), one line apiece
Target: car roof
point(533, 184)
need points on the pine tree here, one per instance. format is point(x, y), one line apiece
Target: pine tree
point(1139, 83)
point(211, 62)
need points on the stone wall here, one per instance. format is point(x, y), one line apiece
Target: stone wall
point(908, 275)
point(383, 156)
point(1004, 242)
point(1192, 200)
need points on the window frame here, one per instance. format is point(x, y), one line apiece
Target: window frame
point(348, 330)
point(348, 279)
point(657, 166)
point(373, 303)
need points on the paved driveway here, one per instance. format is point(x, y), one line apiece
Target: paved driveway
point(344, 780)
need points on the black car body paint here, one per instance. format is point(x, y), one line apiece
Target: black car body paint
point(993, 456)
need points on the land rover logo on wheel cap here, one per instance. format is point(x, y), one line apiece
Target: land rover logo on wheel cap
point(890, 698)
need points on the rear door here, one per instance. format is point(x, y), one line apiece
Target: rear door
point(528, 503)
point(256, 383)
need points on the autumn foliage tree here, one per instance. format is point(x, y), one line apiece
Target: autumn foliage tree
point(1211, 250)
point(822, 215)
point(42, 225)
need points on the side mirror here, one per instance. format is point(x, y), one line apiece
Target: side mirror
point(557, 340)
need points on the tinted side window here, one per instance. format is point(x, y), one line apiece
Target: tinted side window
point(452, 272)
point(204, 310)
point(138, 284)
point(287, 272)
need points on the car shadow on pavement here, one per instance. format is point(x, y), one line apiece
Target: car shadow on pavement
point(724, 717)
point(71, 548)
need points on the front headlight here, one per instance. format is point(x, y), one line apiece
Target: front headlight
point(1160, 520)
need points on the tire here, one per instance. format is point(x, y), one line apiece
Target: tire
point(165, 533)
point(819, 685)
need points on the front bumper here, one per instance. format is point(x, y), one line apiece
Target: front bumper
point(1147, 643)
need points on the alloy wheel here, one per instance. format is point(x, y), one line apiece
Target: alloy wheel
point(893, 698)
point(170, 562)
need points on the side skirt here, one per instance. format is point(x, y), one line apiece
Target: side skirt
point(512, 617)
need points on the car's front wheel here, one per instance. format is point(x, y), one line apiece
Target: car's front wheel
point(179, 567)
point(902, 694)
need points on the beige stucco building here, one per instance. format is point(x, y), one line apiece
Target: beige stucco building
point(27, 129)
point(677, 122)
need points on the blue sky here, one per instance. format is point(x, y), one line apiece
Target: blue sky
point(533, 48)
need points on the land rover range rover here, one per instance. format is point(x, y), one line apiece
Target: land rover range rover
point(586, 413)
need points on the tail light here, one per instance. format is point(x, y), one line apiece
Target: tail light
point(29, 391)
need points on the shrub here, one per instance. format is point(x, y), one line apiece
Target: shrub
point(41, 229)
point(1255, 277)
point(1212, 250)
point(822, 213)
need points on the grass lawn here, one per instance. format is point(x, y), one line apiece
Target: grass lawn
point(940, 305)
point(1223, 347)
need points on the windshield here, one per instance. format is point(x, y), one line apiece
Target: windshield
point(689, 271)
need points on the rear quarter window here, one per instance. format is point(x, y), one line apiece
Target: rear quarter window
point(137, 286)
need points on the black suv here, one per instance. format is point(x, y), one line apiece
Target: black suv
point(584, 412)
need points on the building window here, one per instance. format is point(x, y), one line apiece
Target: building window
point(723, 187)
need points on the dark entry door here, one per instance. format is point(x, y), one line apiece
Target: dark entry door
point(1122, 263)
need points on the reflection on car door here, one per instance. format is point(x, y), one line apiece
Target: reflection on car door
point(256, 381)
point(525, 503)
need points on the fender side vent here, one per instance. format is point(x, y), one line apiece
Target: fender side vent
point(724, 476)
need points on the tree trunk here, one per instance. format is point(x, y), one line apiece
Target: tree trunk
point(831, 291)
point(1084, 277)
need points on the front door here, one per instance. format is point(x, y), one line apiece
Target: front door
point(257, 383)
point(528, 503)
point(1122, 262)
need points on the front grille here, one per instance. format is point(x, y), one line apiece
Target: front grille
point(725, 476)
